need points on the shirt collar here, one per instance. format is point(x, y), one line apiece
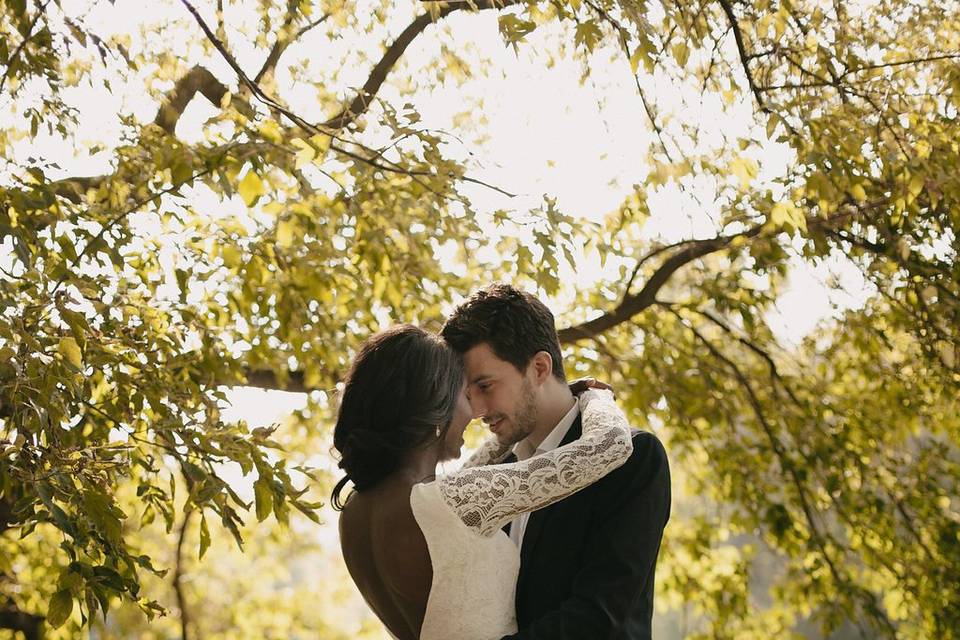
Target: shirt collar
point(553, 439)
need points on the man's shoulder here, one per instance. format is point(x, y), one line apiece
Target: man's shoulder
point(646, 444)
point(648, 459)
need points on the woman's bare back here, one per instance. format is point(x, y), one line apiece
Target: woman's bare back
point(387, 557)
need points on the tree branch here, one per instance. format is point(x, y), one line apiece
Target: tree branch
point(283, 41)
point(691, 250)
point(6, 513)
point(267, 379)
point(774, 371)
point(647, 107)
point(197, 79)
point(631, 305)
point(744, 57)
point(276, 107)
point(178, 577)
point(16, 52)
point(28, 624)
point(379, 73)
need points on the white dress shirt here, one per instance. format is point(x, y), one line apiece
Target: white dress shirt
point(523, 451)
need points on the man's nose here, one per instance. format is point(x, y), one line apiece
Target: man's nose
point(477, 406)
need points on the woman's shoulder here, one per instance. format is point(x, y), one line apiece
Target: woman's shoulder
point(379, 532)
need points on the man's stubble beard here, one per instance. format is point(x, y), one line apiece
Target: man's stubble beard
point(525, 419)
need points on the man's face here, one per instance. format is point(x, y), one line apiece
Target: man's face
point(499, 394)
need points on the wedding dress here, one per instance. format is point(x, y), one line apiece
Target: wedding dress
point(475, 564)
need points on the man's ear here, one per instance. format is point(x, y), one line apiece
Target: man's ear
point(541, 365)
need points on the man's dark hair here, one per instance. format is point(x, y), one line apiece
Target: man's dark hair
point(400, 394)
point(514, 323)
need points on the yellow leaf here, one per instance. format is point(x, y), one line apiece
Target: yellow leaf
point(231, 256)
point(779, 214)
point(285, 229)
point(322, 143)
point(948, 354)
point(251, 188)
point(858, 193)
point(916, 185)
point(904, 249)
point(787, 213)
point(270, 130)
point(635, 60)
point(681, 52)
point(70, 350)
point(745, 169)
point(305, 152)
point(780, 23)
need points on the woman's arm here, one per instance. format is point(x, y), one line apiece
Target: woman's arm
point(488, 497)
point(490, 452)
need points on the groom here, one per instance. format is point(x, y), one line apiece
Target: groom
point(586, 562)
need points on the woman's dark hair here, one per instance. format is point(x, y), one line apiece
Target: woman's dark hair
point(514, 323)
point(402, 387)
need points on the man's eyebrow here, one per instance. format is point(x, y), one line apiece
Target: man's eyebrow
point(481, 378)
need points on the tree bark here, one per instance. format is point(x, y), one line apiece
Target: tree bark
point(178, 572)
point(30, 625)
point(197, 79)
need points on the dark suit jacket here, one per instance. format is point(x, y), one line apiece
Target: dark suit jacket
point(587, 562)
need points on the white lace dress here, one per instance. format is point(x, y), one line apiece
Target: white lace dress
point(475, 564)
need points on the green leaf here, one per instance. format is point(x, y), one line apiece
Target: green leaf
point(60, 608)
point(70, 350)
point(264, 498)
point(513, 29)
point(101, 510)
point(204, 535)
point(587, 35)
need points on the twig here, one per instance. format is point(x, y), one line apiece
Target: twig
point(16, 52)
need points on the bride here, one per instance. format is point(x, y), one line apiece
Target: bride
point(427, 552)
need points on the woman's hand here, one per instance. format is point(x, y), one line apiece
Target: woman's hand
point(579, 386)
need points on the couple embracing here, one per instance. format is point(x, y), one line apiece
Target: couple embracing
point(549, 531)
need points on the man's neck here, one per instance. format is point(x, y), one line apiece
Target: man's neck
point(555, 407)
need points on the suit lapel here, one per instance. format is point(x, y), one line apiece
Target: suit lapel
point(538, 519)
point(508, 460)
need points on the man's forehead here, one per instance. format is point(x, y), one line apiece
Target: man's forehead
point(480, 355)
point(481, 361)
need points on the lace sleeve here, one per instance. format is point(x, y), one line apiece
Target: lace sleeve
point(485, 498)
point(490, 452)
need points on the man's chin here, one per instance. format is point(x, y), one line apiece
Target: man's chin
point(507, 438)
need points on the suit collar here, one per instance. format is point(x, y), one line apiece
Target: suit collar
point(522, 449)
